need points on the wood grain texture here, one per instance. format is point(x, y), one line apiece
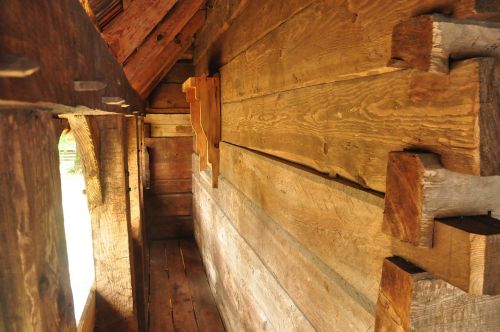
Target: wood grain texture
point(255, 298)
point(88, 144)
point(429, 42)
point(168, 95)
point(110, 222)
point(465, 253)
point(419, 189)
point(162, 36)
point(171, 186)
point(170, 157)
point(324, 215)
point(220, 40)
point(168, 119)
point(35, 291)
point(146, 74)
point(168, 205)
point(177, 227)
point(129, 30)
point(348, 128)
point(328, 301)
point(413, 300)
point(73, 38)
point(179, 72)
point(207, 315)
point(203, 95)
point(87, 321)
point(171, 130)
point(305, 43)
point(160, 309)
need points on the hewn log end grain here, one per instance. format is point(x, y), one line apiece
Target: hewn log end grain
point(394, 303)
point(412, 43)
point(403, 198)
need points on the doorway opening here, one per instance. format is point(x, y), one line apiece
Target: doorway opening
point(77, 222)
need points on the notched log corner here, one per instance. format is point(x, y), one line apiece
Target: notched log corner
point(419, 189)
point(428, 42)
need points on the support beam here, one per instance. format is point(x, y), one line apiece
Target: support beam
point(34, 274)
point(411, 299)
point(203, 93)
point(144, 72)
point(419, 189)
point(429, 42)
point(87, 140)
point(110, 224)
point(132, 26)
point(466, 253)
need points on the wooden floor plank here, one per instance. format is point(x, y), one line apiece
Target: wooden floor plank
point(207, 315)
point(160, 310)
point(182, 306)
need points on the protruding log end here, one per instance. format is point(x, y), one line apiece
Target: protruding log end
point(412, 43)
point(404, 197)
point(395, 296)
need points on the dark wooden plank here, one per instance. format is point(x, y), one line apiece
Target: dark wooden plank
point(170, 158)
point(67, 49)
point(182, 306)
point(180, 72)
point(160, 310)
point(168, 95)
point(171, 186)
point(168, 205)
point(207, 314)
point(161, 228)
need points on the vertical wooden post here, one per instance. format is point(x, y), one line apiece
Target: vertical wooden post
point(137, 225)
point(110, 220)
point(35, 292)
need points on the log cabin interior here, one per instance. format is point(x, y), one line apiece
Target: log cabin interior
point(250, 165)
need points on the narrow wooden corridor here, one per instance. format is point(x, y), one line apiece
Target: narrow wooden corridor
point(180, 297)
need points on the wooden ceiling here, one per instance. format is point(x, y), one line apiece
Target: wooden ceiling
point(147, 37)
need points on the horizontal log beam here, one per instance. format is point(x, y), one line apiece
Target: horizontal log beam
point(348, 128)
point(429, 42)
point(419, 189)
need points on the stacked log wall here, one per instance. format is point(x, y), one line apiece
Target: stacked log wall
point(292, 237)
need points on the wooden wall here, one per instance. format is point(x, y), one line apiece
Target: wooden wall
point(35, 292)
point(168, 200)
point(307, 96)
